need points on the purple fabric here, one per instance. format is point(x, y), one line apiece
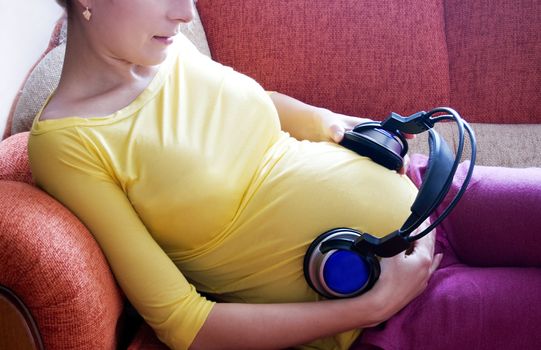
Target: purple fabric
point(487, 292)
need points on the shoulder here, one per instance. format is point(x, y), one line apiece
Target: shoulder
point(50, 143)
point(202, 70)
point(57, 143)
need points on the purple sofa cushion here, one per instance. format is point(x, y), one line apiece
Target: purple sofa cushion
point(485, 295)
point(466, 308)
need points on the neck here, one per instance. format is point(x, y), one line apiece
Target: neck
point(94, 65)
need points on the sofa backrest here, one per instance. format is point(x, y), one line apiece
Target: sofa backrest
point(495, 59)
point(368, 58)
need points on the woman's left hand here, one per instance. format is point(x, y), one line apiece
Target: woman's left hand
point(335, 125)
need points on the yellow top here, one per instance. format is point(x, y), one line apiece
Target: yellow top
point(194, 187)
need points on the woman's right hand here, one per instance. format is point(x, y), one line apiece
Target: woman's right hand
point(283, 325)
point(404, 276)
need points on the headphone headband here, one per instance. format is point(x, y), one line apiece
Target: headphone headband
point(441, 166)
point(436, 182)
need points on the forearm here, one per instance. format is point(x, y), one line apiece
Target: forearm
point(276, 326)
point(299, 119)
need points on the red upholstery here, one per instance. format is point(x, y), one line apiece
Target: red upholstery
point(495, 59)
point(359, 57)
point(14, 159)
point(146, 340)
point(50, 260)
point(368, 58)
point(52, 263)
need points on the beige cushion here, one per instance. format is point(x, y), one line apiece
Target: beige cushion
point(40, 84)
point(44, 77)
point(510, 145)
point(195, 32)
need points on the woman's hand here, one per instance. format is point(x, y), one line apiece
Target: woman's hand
point(278, 326)
point(334, 125)
point(405, 276)
point(307, 122)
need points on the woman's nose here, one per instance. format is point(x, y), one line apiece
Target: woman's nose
point(182, 10)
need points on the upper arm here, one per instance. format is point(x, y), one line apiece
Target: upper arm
point(148, 277)
point(300, 120)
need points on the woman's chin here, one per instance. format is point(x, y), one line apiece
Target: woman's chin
point(155, 58)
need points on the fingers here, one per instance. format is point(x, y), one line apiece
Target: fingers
point(358, 121)
point(425, 246)
point(404, 168)
point(429, 241)
point(410, 274)
point(430, 238)
point(338, 126)
point(435, 263)
point(337, 132)
point(349, 122)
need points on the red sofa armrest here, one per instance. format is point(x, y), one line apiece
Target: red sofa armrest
point(52, 263)
point(14, 164)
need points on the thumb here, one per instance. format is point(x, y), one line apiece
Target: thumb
point(435, 263)
point(337, 133)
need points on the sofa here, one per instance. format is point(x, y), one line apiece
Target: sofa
point(358, 57)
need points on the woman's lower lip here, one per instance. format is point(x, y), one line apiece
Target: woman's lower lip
point(166, 40)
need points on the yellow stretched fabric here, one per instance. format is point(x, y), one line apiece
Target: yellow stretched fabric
point(194, 187)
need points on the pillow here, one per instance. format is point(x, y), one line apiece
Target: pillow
point(58, 36)
point(44, 77)
point(41, 82)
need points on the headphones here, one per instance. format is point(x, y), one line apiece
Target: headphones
point(343, 262)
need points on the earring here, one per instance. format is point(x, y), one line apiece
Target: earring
point(87, 14)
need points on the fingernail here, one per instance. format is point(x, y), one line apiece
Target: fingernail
point(338, 135)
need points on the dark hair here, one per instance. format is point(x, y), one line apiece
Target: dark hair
point(66, 4)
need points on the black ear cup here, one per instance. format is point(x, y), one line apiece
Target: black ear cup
point(334, 269)
point(383, 147)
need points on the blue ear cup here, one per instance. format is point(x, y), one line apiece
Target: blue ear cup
point(333, 267)
point(383, 147)
point(345, 272)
